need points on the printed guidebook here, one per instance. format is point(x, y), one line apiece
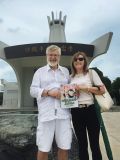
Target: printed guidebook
point(69, 96)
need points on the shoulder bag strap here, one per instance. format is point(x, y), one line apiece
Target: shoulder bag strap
point(102, 126)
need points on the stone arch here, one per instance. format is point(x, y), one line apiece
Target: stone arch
point(13, 66)
point(11, 88)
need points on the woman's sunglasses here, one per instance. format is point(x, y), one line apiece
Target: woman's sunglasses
point(80, 59)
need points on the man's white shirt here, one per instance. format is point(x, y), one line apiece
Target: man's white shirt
point(46, 78)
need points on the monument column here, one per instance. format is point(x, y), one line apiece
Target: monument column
point(57, 28)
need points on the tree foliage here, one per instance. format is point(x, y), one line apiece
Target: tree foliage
point(112, 87)
point(105, 80)
point(116, 90)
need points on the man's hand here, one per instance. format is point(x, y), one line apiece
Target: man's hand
point(45, 93)
point(54, 94)
point(77, 87)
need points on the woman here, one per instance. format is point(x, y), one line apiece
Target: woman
point(84, 117)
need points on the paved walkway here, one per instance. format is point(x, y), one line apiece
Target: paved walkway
point(112, 124)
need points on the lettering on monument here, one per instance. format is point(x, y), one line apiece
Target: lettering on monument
point(38, 49)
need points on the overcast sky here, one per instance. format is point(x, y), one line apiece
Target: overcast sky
point(25, 21)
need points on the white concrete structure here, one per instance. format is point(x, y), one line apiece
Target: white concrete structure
point(10, 94)
point(1, 87)
point(24, 67)
point(57, 28)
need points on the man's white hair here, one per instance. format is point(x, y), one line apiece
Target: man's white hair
point(53, 48)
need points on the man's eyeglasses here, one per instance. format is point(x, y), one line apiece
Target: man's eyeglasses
point(80, 59)
point(53, 55)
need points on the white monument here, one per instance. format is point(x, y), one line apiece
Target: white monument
point(25, 59)
point(57, 28)
point(10, 94)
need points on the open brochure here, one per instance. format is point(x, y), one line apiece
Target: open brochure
point(69, 96)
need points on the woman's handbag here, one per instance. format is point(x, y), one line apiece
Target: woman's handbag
point(105, 101)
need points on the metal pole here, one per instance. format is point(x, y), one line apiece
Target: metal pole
point(104, 133)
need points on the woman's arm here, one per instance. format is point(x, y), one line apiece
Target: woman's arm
point(99, 90)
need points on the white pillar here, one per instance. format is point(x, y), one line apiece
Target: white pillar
point(57, 28)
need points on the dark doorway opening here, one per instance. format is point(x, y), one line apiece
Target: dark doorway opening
point(1, 98)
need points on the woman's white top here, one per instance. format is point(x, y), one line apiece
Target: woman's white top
point(84, 80)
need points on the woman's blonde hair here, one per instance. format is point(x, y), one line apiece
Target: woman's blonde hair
point(85, 68)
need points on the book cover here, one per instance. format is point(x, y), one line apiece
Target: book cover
point(69, 96)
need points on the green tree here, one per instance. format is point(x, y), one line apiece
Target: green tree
point(116, 90)
point(105, 80)
point(107, 83)
point(100, 73)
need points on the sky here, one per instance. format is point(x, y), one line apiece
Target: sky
point(25, 22)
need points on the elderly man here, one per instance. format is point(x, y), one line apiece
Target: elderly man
point(52, 119)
